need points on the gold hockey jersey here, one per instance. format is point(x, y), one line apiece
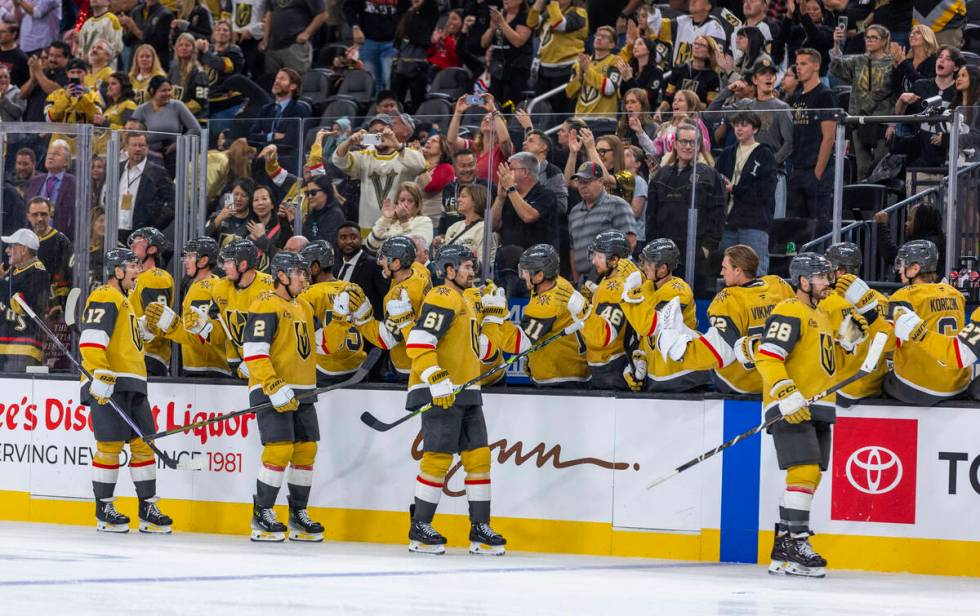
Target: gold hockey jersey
point(198, 354)
point(386, 335)
point(942, 309)
point(154, 285)
point(233, 305)
point(598, 92)
point(605, 328)
point(339, 346)
point(562, 361)
point(947, 350)
point(111, 342)
point(561, 41)
point(837, 309)
point(799, 346)
point(490, 351)
point(446, 334)
point(279, 344)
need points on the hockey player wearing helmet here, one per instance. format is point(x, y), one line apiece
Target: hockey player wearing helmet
point(154, 285)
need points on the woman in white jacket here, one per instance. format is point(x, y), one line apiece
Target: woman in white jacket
point(403, 217)
point(471, 204)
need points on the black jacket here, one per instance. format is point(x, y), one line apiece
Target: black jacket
point(754, 196)
point(289, 124)
point(153, 205)
point(367, 274)
point(669, 199)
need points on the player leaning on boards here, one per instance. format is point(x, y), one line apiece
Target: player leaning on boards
point(154, 284)
point(798, 357)
point(279, 352)
point(444, 349)
point(917, 378)
point(192, 328)
point(111, 345)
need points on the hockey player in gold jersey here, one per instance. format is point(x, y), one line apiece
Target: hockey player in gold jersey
point(409, 283)
point(847, 260)
point(737, 315)
point(111, 345)
point(281, 362)
point(198, 356)
point(640, 302)
point(800, 356)
point(959, 351)
point(339, 346)
point(916, 377)
point(233, 295)
point(154, 284)
point(444, 350)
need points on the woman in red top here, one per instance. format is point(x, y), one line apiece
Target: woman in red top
point(442, 51)
point(439, 174)
point(493, 123)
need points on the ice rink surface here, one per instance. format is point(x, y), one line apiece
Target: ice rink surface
point(51, 569)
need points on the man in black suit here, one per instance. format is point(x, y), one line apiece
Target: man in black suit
point(282, 120)
point(146, 192)
point(358, 267)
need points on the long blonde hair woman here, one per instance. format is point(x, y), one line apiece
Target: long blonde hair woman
point(146, 66)
point(401, 217)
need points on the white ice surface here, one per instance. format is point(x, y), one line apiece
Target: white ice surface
point(70, 570)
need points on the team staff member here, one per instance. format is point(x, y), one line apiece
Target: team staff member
point(154, 285)
point(281, 361)
point(199, 357)
point(444, 350)
point(111, 346)
point(20, 345)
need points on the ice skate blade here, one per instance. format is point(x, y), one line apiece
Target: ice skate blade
point(154, 529)
point(422, 548)
point(299, 535)
point(482, 549)
point(777, 567)
point(263, 536)
point(801, 571)
point(105, 527)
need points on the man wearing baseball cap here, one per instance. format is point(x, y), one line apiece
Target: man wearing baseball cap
point(20, 341)
point(598, 211)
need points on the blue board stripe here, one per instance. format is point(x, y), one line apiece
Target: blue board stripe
point(740, 484)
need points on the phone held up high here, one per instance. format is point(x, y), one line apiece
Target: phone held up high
point(371, 139)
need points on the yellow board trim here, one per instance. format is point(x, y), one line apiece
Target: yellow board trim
point(892, 554)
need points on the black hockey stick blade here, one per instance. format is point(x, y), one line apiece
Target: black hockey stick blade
point(359, 375)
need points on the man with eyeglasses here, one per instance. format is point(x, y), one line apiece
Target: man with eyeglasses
point(525, 213)
point(870, 76)
point(325, 216)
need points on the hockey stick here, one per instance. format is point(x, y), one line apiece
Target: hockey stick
point(373, 422)
point(875, 350)
point(186, 464)
point(71, 306)
point(357, 377)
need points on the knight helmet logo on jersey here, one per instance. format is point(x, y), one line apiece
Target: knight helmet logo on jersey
point(303, 345)
point(874, 470)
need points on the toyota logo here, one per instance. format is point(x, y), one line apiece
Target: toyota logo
point(867, 467)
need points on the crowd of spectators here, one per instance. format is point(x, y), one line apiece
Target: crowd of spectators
point(646, 101)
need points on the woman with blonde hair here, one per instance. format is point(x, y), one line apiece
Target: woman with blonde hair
point(192, 18)
point(401, 217)
point(699, 74)
point(684, 109)
point(99, 57)
point(146, 66)
point(918, 62)
point(188, 77)
point(471, 205)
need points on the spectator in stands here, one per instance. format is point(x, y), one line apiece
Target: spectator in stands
point(772, 35)
point(684, 110)
point(54, 251)
point(923, 222)
point(642, 73)
point(919, 62)
point(598, 211)
point(549, 175)
point(487, 159)
point(288, 28)
point(438, 174)
point(57, 185)
point(13, 207)
point(25, 277)
point(162, 116)
point(47, 74)
point(464, 170)
point(409, 73)
point(681, 32)
point(192, 18)
point(750, 47)
point(96, 246)
point(11, 104)
point(512, 51)
point(524, 213)
point(268, 226)
point(789, 84)
point(247, 20)
point(442, 47)
point(230, 221)
point(11, 55)
point(967, 101)
point(75, 103)
point(636, 117)
point(99, 58)
point(617, 179)
point(808, 26)
point(749, 171)
point(373, 23)
point(325, 216)
point(814, 133)
point(146, 66)
point(355, 265)
point(634, 157)
point(40, 24)
point(281, 121)
point(101, 25)
point(380, 169)
point(400, 217)
point(146, 192)
point(700, 74)
point(870, 76)
point(925, 147)
point(669, 199)
point(470, 230)
point(595, 81)
point(148, 23)
point(97, 186)
point(404, 128)
point(25, 164)
point(119, 101)
point(188, 77)
point(562, 26)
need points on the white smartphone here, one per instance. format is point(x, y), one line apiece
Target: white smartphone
point(371, 139)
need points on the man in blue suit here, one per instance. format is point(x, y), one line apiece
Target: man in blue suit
point(282, 120)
